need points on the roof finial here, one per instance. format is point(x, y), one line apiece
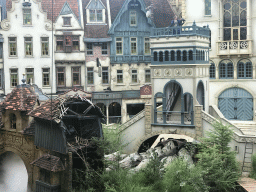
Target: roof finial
point(23, 80)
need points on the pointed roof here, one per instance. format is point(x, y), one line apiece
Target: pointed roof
point(22, 98)
point(161, 11)
point(49, 162)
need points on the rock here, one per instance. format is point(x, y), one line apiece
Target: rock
point(142, 165)
point(130, 161)
point(159, 152)
point(115, 156)
point(168, 160)
point(168, 149)
point(186, 156)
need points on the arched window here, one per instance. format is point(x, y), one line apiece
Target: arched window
point(172, 55)
point(13, 121)
point(203, 56)
point(155, 56)
point(178, 55)
point(166, 55)
point(184, 56)
point(212, 71)
point(188, 108)
point(226, 70)
point(161, 56)
point(244, 69)
point(200, 94)
point(190, 55)
point(235, 20)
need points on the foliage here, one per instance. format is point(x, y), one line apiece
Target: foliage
point(253, 171)
point(180, 176)
point(215, 156)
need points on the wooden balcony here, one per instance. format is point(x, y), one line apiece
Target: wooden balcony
point(239, 47)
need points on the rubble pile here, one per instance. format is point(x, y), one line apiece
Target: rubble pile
point(165, 150)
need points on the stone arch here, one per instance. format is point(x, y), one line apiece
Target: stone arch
point(168, 131)
point(200, 93)
point(25, 160)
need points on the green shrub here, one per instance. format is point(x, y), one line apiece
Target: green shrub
point(253, 171)
point(182, 177)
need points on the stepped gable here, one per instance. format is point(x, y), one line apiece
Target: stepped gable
point(22, 98)
point(49, 162)
point(54, 110)
point(95, 31)
point(162, 13)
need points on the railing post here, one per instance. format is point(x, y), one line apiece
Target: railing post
point(182, 109)
point(164, 109)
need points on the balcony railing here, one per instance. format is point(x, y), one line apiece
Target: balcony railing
point(181, 31)
point(239, 47)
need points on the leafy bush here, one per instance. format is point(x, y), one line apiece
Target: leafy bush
point(253, 171)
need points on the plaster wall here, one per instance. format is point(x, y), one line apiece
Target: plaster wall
point(13, 27)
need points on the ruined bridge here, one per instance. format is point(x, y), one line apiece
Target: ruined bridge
point(43, 133)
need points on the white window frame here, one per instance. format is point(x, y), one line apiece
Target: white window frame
point(43, 76)
point(13, 42)
point(133, 40)
point(42, 48)
point(119, 41)
point(147, 72)
point(96, 13)
point(91, 71)
point(145, 43)
point(133, 17)
point(30, 72)
point(14, 73)
point(27, 42)
point(134, 73)
point(105, 70)
point(120, 73)
point(25, 14)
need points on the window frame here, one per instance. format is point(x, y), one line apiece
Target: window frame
point(15, 43)
point(104, 48)
point(134, 78)
point(57, 76)
point(121, 45)
point(132, 42)
point(225, 72)
point(89, 50)
point(43, 43)
point(43, 77)
point(212, 71)
point(90, 75)
point(207, 10)
point(119, 76)
point(27, 42)
point(147, 44)
point(73, 75)
point(30, 73)
point(68, 20)
point(13, 83)
point(242, 72)
point(133, 18)
point(147, 73)
point(105, 75)
point(96, 14)
point(70, 39)
point(27, 14)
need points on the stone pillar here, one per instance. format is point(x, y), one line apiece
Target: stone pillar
point(198, 121)
point(148, 118)
point(107, 113)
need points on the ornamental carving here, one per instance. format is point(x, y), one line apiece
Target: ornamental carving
point(233, 45)
point(6, 25)
point(157, 72)
point(188, 72)
point(243, 44)
point(223, 46)
point(177, 72)
point(167, 72)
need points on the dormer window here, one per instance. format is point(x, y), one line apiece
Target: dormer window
point(95, 12)
point(66, 21)
point(27, 16)
point(133, 19)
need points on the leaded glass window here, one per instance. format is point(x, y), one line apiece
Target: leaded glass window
point(235, 20)
point(212, 71)
point(244, 69)
point(226, 70)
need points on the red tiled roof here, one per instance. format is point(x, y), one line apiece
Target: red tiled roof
point(57, 7)
point(49, 162)
point(22, 98)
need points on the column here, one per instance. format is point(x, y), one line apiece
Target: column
point(107, 113)
point(198, 121)
point(148, 118)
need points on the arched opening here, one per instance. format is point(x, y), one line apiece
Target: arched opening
point(244, 69)
point(188, 108)
point(178, 55)
point(190, 55)
point(13, 121)
point(200, 94)
point(236, 104)
point(226, 69)
point(114, 113)
point(166, 55)
point(13, 173)
point(212, 71)
point(155, 56)
point(147, 144)
point(172, 55)
point(184, 55)
point(161, 56)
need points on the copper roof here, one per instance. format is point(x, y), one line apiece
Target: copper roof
point(49, 162)
point(22, 98)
